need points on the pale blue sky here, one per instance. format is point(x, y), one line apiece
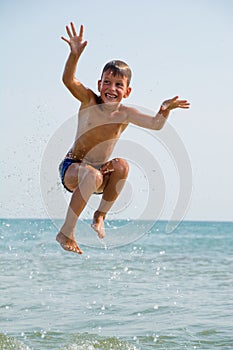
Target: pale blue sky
point(173, 47)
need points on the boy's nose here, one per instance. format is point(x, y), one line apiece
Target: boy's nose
point(112, 87)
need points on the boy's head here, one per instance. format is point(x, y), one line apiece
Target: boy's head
point(114, 82)
point(118, 67)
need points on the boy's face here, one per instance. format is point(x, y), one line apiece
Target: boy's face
point(113, 88)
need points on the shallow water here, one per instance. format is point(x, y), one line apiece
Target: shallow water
point(164, 291)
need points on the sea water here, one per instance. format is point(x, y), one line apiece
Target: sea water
point(162, 291)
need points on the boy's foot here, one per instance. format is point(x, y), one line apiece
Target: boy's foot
point(68, 243)
point(98, 225)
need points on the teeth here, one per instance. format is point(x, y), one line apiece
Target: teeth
point(111, 96)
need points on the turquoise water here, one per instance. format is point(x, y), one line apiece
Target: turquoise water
point(163, 291)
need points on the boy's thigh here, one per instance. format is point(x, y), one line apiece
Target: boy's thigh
point(72, 174)
point(76, 172)
point(117, 165)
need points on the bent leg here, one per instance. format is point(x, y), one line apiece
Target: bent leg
point(86, 179)
point(111, 191)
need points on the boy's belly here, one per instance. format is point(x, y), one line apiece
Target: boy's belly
point(95, 154)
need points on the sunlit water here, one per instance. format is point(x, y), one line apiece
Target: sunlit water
point(164, 291)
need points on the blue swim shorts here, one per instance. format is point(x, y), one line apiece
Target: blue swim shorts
point(64, 166)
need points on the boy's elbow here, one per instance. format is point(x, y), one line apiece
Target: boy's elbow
point(157, 126)
point(160, 127)
point(65, 80)
point(68, 83)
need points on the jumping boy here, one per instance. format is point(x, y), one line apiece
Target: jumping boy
point(86, 168)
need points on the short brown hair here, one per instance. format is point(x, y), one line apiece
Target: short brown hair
point(118, 67)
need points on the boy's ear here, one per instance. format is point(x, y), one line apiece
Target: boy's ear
point(99, 83)
point(128, 91)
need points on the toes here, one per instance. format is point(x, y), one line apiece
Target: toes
point(101, 235)
point(73, 249)
point(100, 232)
point(77, 250)
point(68, 244)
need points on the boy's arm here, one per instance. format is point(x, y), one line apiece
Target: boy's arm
point(76, 48)
point(157, 122)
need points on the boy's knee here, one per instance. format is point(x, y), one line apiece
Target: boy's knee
point(98, 179)
point(122, 166)
point(95, 177)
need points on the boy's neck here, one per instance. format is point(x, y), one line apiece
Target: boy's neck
point(110, 107)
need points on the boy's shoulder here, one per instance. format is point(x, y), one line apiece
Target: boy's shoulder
point(91, 100)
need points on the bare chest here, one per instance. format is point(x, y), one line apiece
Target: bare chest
point(97, 125)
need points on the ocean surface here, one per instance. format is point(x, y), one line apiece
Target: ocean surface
point(161, 291)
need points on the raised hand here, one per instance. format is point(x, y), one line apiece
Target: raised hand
point(76, 43)
point(173, 103)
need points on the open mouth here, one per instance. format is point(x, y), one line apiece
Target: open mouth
point(110, 96)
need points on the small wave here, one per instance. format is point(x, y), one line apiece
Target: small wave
point(10, 343)
point(94, 342)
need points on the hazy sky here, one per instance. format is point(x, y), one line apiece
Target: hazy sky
point(178, 47)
